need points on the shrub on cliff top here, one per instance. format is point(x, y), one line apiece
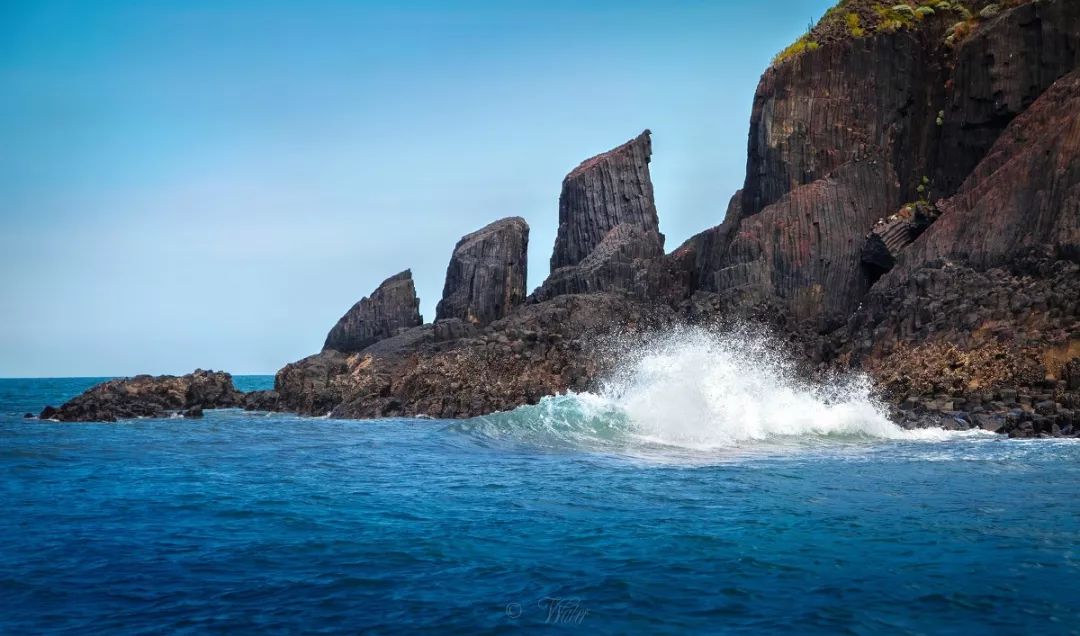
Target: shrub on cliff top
point(862, 18)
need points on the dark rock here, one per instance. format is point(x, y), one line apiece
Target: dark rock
point(193, 412)
point(28, 416)
point(1029, 179)
point(48, 413)
point(390, 309)
point(804, 251)
point(486, 276)
point(610, 189)
point(999, 71)
point(148, 396)
point(891, 235)
point(842, 103)
point(629, 259)
point(261, 401)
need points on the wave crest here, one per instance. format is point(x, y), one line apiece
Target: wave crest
point(695, 389)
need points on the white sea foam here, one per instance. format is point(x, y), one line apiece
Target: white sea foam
point(700, 390)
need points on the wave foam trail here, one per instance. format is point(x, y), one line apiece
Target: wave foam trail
point(699, 390)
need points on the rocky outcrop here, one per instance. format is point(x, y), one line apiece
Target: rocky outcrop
point(540, 349)
point(1000, 69)
point(486, 276)
point(390, 309)
point(1024, 196)
point(628, 260)
point(610, 189)
point(150, 396)
point(891, 235)
point(856, 99)
point(981, 311)
point(804, 251)
point(964, 306)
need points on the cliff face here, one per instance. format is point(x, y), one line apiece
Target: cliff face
point(804, 250)
point(845, 135)
point(390, 308)
point(852, 100)
point(486, 276)
point(1001, 267)
point(610, 189)
point(1000, 70)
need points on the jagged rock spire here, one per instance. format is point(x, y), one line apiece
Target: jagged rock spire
point(390, 309)
point(610, 189)
point(486, 275)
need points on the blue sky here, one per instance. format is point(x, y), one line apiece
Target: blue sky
point(212, 184)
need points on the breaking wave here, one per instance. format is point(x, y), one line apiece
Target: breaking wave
point(698, 390)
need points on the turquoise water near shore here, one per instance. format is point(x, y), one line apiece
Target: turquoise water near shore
point(559, 513)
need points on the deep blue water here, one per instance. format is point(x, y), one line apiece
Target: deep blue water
point(249, 523)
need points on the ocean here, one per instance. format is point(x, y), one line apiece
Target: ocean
point(687, 496)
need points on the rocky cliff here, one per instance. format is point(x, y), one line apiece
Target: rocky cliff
point(391, 308)
point(910, 208)
point(610, 189)
point(486, 276)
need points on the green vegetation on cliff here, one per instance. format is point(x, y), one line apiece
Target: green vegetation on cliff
point(852, 19)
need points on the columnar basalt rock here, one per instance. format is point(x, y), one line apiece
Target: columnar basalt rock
point(804, 250)
point(390, 309)
point(1000, 70)
point(844, 102)
point(610, 189)
point(486, 276)
point(1023, 198)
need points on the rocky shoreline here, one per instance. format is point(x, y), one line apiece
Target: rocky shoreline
point(911, 210)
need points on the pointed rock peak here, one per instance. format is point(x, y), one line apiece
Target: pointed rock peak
point(610, 189)
point(639, 148)
point(391, 308)
point(509, 224)
point(486, 276)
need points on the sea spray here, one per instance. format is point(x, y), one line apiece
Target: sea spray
point(698, 389)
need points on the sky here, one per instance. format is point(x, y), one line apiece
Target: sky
point(213, 184)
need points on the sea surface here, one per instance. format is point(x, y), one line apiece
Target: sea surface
point(674, 501)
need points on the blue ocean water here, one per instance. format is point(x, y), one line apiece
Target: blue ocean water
point(255, 523)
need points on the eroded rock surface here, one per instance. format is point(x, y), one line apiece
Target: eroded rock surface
point(487, 273)
point(610, 189)
point(150, 396)
point(390, 309)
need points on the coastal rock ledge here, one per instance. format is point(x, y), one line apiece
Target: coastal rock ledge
point(150, 396)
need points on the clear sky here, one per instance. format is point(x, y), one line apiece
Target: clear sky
point(213, 183)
